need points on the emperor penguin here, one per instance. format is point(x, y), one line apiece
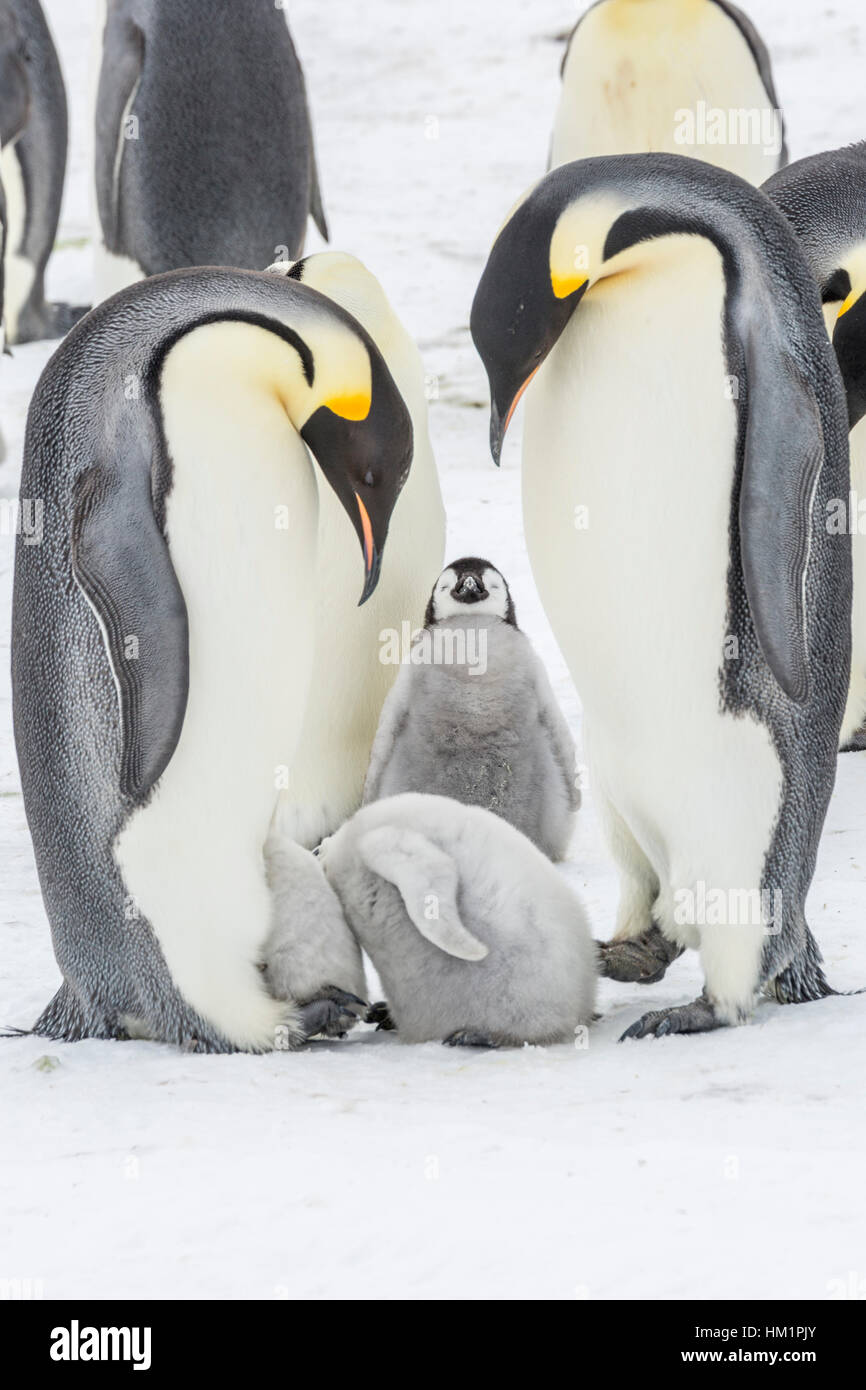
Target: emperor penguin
point(326, 780)
point(824, 199)
point(33, 135)
point(478, 940)
point(164, 632)
point(472, 715)
point(685, 429)
point(204, 145)
point(689, 77)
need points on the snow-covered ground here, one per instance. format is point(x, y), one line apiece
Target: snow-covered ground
point(724, 1165)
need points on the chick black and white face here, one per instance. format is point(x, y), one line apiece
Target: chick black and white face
point(470, 587)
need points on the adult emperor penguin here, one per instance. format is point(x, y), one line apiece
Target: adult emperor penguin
point(327, 777)
point(824, 199)
point(684, 433)
point(686, 77)
point(32, 167)
point(204, 145)
point(164, 631)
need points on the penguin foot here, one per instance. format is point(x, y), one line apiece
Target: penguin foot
point(332, 1013)
point(49, 321)
point(857, 741)
point(468, 1037)
point(640, 960)
point(697, 1017)
point(380, 1014)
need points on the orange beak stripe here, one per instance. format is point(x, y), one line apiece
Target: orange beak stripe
point(516, 401)
point(367, 530)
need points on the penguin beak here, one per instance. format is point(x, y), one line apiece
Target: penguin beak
point(498, 426)
point(372, 555)
point(468, 590)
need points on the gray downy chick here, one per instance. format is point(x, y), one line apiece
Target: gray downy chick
point(478, 940)
point(472, 715)
point(309, 941)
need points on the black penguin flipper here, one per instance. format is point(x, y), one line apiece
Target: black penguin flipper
point(120, 74)
point(316, 206)
point(317, 210)
point(122, 564)
point(784, 450)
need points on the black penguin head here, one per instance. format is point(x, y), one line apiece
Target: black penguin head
point(824, 198)
point(468, 587)
point(517, 317)
point(849, 336)
point(363, 443)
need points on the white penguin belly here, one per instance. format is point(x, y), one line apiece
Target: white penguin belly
point(627, 478)
point(855, 710)
point(192, 859)
point(19, 272)
point(634, 66)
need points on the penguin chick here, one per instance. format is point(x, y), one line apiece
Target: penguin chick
point(472, 715)
point(478, 940)
point(309, 941)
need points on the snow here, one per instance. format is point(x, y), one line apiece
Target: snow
point(724, 1165)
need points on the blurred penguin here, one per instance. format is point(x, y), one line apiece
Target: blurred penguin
point(688, 77)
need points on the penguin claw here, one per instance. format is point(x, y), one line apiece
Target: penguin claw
point(641, 960)
point(697, 1017)
point(468, 1037)
point(331, 1014)
point(857, 742)
point(380, 1014)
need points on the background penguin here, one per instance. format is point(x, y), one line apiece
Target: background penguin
point(477, 939)
point(477, 720)
point(32, 167)
point(164, 631)
point(635, 71)
point(327, 777)
point(824, 199)
point(204, 146)
point(688, 399)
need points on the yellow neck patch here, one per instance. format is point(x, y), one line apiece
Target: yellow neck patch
point(564, 285)
point(349, 407)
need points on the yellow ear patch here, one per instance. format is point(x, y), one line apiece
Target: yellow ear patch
point(350, 407)
point(564, 285)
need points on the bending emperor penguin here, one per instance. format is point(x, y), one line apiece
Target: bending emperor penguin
point(472, 716)
point(165, 631)
point(204, 145)
point(33, 133)
point(687, 77)
point(687, 400)
point(824, 199)
point(351, 677)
